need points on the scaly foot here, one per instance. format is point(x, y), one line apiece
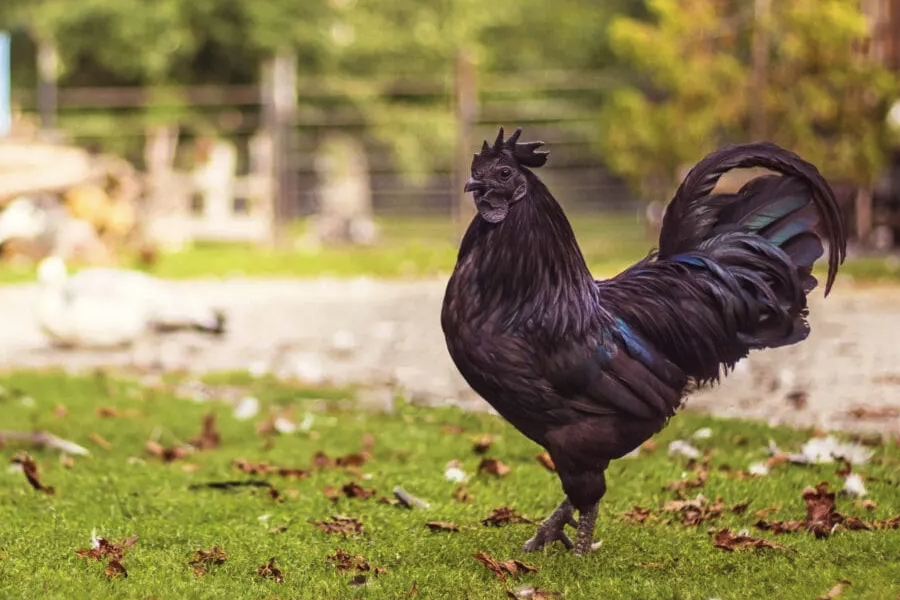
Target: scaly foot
point(551, 530)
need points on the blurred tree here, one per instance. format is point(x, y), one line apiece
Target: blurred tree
point(698, 84)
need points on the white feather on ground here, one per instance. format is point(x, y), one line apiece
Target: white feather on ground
point(106, 307)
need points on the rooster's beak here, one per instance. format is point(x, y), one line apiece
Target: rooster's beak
point(473, 185)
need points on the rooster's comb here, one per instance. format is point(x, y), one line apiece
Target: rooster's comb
point(526, 153)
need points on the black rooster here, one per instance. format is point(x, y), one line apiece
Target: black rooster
point(591, 369)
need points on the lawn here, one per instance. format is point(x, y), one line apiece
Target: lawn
point(128, 488)
point(413, 247)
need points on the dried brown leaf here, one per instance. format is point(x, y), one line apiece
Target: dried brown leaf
point(30, 469)
point(344, 561)
point(835, 591)
point(740, 508)
point(504, 516)
point(493, 466)
point(100, 441)
point(339, 524)
point(275, 495)
point(209, 436)
point(726, 540)
point(546, 461)
point(115, 569)
point(501, 569)
point(779, 527)
point(461, 494)
point(696, 511)
point(441, 526)
point(820, 510)
point(765, 512)
point(264, 468)
point(482, 444)
point(202, 560)
point(354, 490)
point(637, 514)
point(270, 571)
point(165, 454)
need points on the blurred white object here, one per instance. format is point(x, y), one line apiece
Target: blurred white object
point(247, 408)
point(683, 448)
point(854, 485)
point(108, 307)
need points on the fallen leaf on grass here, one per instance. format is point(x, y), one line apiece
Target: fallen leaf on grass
point(209, 436)
point(115, 569)
point(546, 461)
point(228, 485)
point(275, 495)
point(461, 494)
point(413, 591)
point(358, 580)
point(492, 466)
point(100, 441)
point(165, 454)
point(204, 559)
point(482, 444)
point(779, 527)
point(111, 412)
point(344, 561)
point(504, 516)
point(821, 516)
point(696, 511)
point(264, 468)
point(502, 568)
point(765, 512)
point(353, 460)
point(637, 514)
point(339, 524)
point(740, 508)
point(726, 540)
point(835, 591)
point(30, 469)
point(441, 526)
point(867, 504)
point(103, 548)
point(532, 593)
point(354, 490)
point(270, 571)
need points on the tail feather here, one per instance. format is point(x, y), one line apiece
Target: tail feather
point(733, 270)
point(783, 208)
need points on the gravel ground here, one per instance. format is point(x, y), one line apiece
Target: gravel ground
point(388, 333)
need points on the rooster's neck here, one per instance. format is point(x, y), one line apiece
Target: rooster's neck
point(528, 270)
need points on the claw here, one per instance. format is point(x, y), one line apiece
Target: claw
point(541, 540)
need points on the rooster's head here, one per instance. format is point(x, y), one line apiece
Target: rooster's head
point(499, 174)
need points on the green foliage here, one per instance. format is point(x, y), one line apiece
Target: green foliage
point(694, 89)
point(122, 490)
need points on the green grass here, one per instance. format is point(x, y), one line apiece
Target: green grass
point(123, 491)
point(413, 247)
point(420, 247)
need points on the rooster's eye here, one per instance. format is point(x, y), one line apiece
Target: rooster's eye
point(505, 172)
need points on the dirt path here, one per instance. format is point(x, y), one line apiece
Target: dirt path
point(381, 332)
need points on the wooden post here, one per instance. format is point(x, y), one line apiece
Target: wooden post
point(466, 106)
point(863, 215)
point(760, 59)
point(5, 85)
point(48, 73)
point(279, 100)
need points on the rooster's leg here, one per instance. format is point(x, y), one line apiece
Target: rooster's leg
point(584, 539)
point(551, 530)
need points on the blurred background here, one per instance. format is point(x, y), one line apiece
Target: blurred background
point(299, 165)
